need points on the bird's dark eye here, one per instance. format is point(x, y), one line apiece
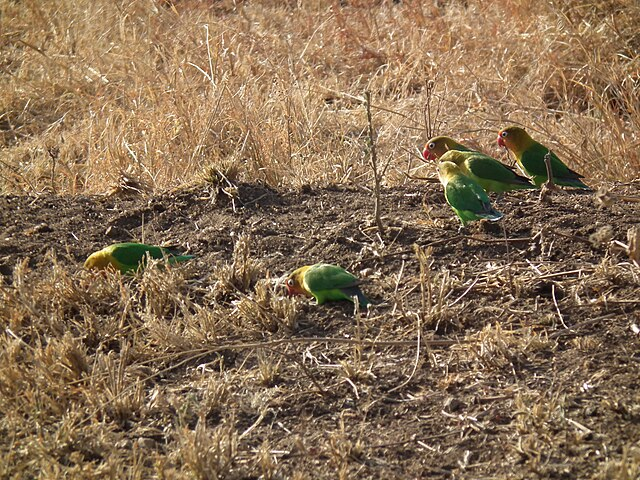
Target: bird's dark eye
point(431, 146)
point(291, 282)
point(504, 134)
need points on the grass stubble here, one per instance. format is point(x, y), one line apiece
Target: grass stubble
point(174, 373)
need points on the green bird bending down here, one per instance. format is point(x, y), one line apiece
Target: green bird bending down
point(464, 195)
point(128, 257)
point(488, 172)
point(325, 282)
point(530, 156)
point(438, 146)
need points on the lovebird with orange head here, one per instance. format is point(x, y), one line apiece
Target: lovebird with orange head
point(128, 257)
point(438, 146)
point(530, 156)
point(325, 282)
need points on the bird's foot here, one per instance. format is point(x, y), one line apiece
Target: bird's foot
point(546, 191)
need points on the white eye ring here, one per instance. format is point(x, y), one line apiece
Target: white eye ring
point(290, 282)
point(504, 134)
point(431, 146)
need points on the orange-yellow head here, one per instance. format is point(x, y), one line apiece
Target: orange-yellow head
point(295, 282)
point(99, 260)
point(515, 139)
point(438, 146)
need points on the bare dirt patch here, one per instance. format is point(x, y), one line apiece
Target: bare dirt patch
point(537, 375)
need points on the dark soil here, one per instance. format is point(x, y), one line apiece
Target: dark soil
point(543, 382)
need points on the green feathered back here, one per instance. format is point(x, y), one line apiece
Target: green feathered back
point(468, 199)
point(532, 160)
point(128, 256)
point(489, 173)
point(331, 282)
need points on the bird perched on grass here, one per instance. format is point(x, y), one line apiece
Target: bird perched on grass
point(488, 172)
point(463, 194)
point(530, 156)
point(325, 282)
point(438, 146)
point(128, 257)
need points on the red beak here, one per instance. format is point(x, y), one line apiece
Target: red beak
point(501, 142)
point(293, 291)
point(427, 155)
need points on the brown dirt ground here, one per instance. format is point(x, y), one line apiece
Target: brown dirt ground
point(547, 387)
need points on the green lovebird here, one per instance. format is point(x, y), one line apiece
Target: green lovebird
point(464, 195)
point(530, 156)
point(127, 257)
point(438, 146)
point(488, 172)
point(325, 282)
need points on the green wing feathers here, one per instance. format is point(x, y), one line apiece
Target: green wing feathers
point(331, 282)
point(495, 176)
point(355, 291)
point(132, 254)
point(489, 173)
point(323, 276)
point(464, 195)
point(468, 199)
point(127, 257)
point(532, 160)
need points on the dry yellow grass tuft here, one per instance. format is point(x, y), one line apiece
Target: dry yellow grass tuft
point(162, 90)
point(499, 354)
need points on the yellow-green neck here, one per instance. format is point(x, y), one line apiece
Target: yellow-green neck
point(103, 259)
point(99, 259)
point(521, 142)
point(298, 278)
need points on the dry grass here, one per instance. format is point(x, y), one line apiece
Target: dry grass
point(82, 357)
point(160, 92)
point(171, 373)
point(205, 370)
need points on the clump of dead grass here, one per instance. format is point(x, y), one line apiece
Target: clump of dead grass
point(208, 453)
point(143, 96)
point(92, 90)
point(88, 346)
point(241, 273)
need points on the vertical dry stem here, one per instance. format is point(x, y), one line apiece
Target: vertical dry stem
point(377, 174)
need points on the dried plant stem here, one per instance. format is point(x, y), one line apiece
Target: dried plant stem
point(417, 357)
point(456, 238)
point(53, 155)
point(423, 255)
point(377, 174)
point(429, 118)
point(348, 341)
point(547, 163)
